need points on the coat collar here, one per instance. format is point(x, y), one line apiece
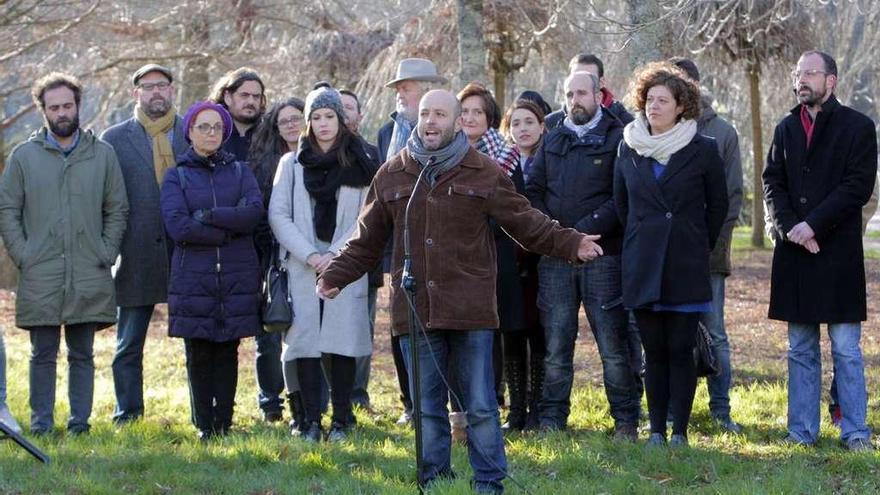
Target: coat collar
point(830, 105)
point(404, 162)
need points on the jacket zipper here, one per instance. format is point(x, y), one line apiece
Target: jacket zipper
point(218, 265)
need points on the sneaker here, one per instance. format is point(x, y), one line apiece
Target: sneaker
point(7, 419)
point(728, 425)
point(859, 445)
point(312, 432)
point(836, 414)
point(678, 440)
point(626, 432)
point(78, 430)
point(338, 432)
point(405, 418)
point(656, 440)
point(272, 416)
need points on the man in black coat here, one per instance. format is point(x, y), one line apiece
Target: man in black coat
point(146, 145)
point(571, 180)
point(587, 62)
point(819, 173)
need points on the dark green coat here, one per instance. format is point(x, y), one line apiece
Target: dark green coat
point(62, 220)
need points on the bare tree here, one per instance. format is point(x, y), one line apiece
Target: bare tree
point(750, 34)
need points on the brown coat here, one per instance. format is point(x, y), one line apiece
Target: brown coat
point(453, 247)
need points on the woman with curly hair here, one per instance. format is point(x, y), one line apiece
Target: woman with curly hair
point(671, 196)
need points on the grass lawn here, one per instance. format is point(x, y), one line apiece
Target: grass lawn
point(162, 456)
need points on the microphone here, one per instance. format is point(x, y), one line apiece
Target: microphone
point(407, 279)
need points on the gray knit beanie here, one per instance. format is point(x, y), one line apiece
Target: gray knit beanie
point(324, 97)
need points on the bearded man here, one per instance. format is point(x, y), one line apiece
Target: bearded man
point(571, 180)
point(146, 146)
point(454, 192)
point(819, 174)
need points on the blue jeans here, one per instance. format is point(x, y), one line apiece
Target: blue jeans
point(45, 342)
point(805, 380)
point(270, 378)
point(128, 362)
point(719, 386)
point(2, 371)
point(563, 287)
point(464, 356)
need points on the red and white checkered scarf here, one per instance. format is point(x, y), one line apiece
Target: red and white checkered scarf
point(505, 154)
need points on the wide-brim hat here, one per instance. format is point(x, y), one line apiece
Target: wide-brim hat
point(416, 69)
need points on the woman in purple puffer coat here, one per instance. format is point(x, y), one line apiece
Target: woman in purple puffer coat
point(211, 205)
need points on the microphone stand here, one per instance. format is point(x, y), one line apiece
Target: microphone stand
point(408, 283)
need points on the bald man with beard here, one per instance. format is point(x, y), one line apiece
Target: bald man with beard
point(458, 191)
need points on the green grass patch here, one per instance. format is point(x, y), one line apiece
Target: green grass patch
point(161, 455)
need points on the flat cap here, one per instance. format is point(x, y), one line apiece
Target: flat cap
point(138, 74)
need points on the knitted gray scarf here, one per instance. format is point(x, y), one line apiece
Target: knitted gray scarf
point(443, 159)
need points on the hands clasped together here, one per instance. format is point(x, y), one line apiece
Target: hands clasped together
point(803, 234)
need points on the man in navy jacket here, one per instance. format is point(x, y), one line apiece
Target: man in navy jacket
point(571, 180)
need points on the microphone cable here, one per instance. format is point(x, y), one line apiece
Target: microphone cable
point(407, 283)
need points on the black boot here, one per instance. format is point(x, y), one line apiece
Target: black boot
point(297, 413)
point(516, 384)
point(536, 390)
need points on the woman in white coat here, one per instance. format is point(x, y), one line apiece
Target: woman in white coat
point(316, 198)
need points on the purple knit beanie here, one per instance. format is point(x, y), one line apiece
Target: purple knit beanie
point(197, 108)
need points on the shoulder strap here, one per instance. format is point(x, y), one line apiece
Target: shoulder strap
point(181, 176)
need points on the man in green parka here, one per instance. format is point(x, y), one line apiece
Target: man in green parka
point(63, 210)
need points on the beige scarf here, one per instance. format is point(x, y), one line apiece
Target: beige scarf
point(163, 153)
point(660, 146)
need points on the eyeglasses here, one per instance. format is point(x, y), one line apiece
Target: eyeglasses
point(208, 129)
point(797, 74)
point(290, 121)
point(161, 86)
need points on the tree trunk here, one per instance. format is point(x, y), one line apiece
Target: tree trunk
point(753, 72)
point(500, 88)
point(471, 52)
point(196, 80)
point(645, 43)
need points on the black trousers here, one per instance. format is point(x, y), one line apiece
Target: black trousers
point(311, 380)
point(670, 374)
point(212, 369)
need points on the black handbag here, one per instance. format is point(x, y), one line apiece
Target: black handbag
point(704, 357)
point(277, 307)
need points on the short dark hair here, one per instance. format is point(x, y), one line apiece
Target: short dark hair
point(490, 106)
point(588, 58)
point(351, 93)
point(688, 66)
point(55, 80)
point(232, 80)
point(828, 60)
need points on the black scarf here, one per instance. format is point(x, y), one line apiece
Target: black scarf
point(323, 175)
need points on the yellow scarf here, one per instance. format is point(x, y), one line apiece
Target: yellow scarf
point(163, 153)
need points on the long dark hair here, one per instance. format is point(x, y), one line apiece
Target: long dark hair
point(342, 145)
point(266, 138)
